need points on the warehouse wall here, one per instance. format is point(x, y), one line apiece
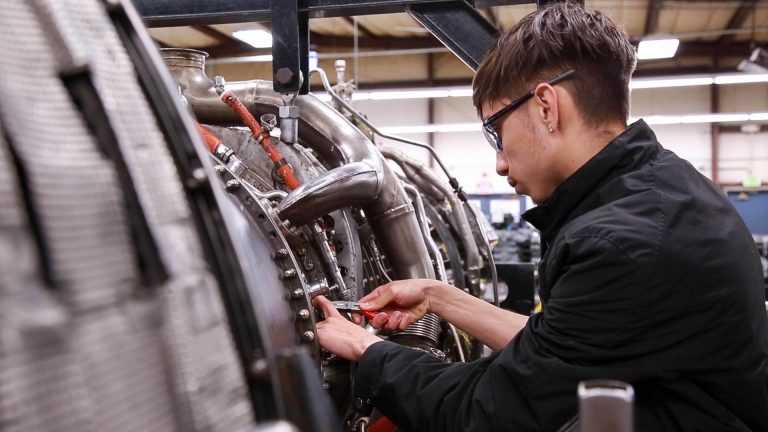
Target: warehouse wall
point(473, 160)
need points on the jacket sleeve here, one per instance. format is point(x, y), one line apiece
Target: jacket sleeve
point(421, 393)
point(531, 384)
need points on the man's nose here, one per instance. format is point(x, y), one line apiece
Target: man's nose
point(502, 168)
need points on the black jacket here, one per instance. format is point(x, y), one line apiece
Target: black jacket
point(648, 276)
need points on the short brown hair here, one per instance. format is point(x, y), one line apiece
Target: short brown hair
point(552, 40)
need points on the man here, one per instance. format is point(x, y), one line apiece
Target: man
point(648, 275)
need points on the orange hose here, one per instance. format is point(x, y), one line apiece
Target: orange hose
point(211, 140)
point(284, 170)
point(382, 424)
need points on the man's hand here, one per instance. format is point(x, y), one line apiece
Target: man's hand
point(399, 303)
point(339, 335)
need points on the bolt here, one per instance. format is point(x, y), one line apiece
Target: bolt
point(232, 184)
point(303, 314)
point(280, 253)
point(259, 368)
point(268, 121)
point(218, 84)
point(297, 293)
point(289, 274)
point(308, 336)
point(284, 75)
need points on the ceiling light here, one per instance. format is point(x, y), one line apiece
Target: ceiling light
point(648, 83)
point(742, 78)
point(651, 119)
point(255, 38)
point(657, 48)
point(756, 63)
point(429, 128)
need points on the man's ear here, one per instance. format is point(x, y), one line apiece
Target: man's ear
point(547, 104)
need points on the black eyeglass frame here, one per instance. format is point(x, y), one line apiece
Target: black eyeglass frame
point(490, 132)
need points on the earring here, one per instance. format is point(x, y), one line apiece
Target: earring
point(551, 130)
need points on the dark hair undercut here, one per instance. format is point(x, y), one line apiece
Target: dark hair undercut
point(552, 40)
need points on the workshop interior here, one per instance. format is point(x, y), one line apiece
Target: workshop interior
point(180, 178)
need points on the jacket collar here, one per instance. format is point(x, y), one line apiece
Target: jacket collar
point(625, 152)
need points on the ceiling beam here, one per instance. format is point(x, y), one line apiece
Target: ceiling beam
point(365, 31)
point(738, 19)
point(225, 41)
point(493, 18)
point(652, 16)
point(378, 43)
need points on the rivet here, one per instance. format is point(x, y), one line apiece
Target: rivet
point(303, 314)
point(308, 336)
point(289, 274)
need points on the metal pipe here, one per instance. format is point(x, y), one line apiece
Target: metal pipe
point(436, 255)
point(491, 260)
point(428, 181)
point(371, 126)
point(338, 142)
point(453, 182)
point(428, 240)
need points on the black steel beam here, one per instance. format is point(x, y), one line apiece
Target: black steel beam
point(161, 13)
point(652, 16)
point(365, 31)
point(739, 17)
point(460, 27)
point(290, 47)
point(189, 12)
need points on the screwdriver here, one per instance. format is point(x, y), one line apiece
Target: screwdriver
point(351, 306)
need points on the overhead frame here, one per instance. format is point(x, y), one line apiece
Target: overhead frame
point(455, 23)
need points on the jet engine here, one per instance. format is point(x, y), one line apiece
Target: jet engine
point(162, 235)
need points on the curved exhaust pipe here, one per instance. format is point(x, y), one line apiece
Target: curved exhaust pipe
point(361, 176)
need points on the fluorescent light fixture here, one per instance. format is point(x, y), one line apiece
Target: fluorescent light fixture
point(466, 91)
point(444, 127)
point(651, 83)
point(649, 49)
point(255, 38)
point(652, 119)
point(742, 78)
point(703, 118)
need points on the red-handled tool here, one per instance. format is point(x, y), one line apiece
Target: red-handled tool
point(350, 306)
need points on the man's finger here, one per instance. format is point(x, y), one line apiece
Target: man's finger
point(394, 321)
point(380, 319)
point(326, 306)
point(357, 318)
point(379, 298)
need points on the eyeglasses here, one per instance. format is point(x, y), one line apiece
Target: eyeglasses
point(490, 132)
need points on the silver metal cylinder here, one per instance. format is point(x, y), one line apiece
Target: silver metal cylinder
point(289, 123)
point(606, 406)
